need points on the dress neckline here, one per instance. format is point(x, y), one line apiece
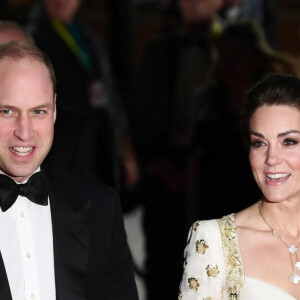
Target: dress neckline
point(269, 285)
point(232, 216)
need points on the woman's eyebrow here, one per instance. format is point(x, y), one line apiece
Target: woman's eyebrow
point(256, 134)
point(287, 132)
point(278, 135)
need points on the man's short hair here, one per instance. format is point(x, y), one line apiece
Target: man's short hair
point(16, 50)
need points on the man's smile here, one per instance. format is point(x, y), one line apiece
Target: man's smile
point(22, 151)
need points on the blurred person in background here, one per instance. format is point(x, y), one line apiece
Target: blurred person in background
point(264, 12)
point(86, 84)
point(175, 67)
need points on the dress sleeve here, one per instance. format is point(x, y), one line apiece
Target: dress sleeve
point(204, 270)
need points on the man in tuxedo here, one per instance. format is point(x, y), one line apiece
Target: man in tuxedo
point(60, 237)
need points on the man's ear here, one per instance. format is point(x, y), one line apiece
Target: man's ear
point(54, 107)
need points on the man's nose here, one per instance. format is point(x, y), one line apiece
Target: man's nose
point(24, 128)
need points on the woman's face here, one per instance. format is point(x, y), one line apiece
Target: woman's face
point(275, 151)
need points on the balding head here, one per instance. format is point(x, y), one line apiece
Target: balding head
point(12, 31)
point(17, 51)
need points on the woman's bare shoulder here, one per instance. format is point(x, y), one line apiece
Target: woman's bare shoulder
point(248, 218)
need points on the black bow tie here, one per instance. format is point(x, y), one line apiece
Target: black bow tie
point(35, 189)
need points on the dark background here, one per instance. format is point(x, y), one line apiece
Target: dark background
point(126, 25)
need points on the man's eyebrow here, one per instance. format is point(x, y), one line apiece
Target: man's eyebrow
point(42, 105)
point(7, 105)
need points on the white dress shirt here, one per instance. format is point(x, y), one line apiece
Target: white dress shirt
point(26, 244)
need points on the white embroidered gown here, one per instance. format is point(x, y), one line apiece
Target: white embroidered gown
point(211, 273)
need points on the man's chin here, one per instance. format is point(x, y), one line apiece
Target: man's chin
point(19, 175)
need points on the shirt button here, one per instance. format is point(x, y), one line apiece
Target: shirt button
point(22, 215)
point(32, 296)
point(28, 255)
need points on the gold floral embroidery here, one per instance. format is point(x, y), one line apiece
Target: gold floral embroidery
point(195, 225)
point(212, 270)
point(208, 298)
point(179, 295)
point(233, 259)
point(201, 246)
point(234, 269)
point(233, 296)
point(193, 283)
point(184, 264)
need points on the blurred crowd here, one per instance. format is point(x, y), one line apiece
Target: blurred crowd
point(176, 149)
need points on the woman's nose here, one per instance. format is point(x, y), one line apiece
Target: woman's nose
point(273, 156)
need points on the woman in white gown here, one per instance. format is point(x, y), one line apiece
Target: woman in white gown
point(255, 254)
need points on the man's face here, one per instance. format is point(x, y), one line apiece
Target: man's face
point(27, 116)
point(62, 10)
point(194, 11)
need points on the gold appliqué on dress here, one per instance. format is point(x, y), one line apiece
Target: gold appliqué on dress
point(201, 246)
point(208, 298)
point(184, 264)
point(232, 257)
point(233, 296)
point(212, 270)
point(193, 283)
point(179, 295)
point(195, 225)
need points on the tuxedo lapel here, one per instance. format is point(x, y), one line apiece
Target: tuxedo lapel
point(5, 293)
point(71, 239)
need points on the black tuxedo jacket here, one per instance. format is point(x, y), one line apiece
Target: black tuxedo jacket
point(91, 256)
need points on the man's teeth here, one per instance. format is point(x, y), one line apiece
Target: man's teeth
point(22, 151)
point(277, 176)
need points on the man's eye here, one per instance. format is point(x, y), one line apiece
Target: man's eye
point(290, 142)
point(6, 111)
point(38, 112)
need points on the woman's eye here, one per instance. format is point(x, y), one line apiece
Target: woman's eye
point(257, 144)
point(290, 142)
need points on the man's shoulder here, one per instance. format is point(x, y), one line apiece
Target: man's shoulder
point(81, 187)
